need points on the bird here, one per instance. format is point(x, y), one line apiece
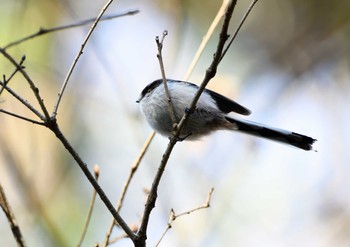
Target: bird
point(210, 114)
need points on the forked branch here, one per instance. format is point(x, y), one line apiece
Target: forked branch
point(173, 216)
point(211, 71)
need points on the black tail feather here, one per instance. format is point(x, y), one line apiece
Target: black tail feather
point(284, 136)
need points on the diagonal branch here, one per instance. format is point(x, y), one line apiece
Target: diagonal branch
point(188, 73)
point(35, 90)
point(91, 207)
point(206, 37)
point(165, 83)
point(7, 80)
point(43, 31)
point(132, 172)
point(53, 126)
point(22, 118)
point(238, 28)
point(210, 73)
point(23, 101)
point(11, 218)
point(64, 85)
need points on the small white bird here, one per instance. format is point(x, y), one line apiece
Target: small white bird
point(210, 114)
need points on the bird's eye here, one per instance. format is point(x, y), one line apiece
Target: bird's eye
point(149, 90)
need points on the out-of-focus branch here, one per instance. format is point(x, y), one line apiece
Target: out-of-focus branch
point(43, 31)
point(206, 38)
point(91, 208)
point(11, 218)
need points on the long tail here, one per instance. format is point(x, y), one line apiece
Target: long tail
point(280, 135)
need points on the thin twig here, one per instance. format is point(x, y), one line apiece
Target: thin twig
point(31, 84)
point(64, 85)
point(132, 172)
point(7, 80)
point(173, 216)
point(43, 31)
point(23, 101)
point(210, 73)
point(22, 118)
point(238, 28)
point(11, 218)
point(165, 83)
point(205, 205)
point(92, 204)
point(126, 186)
point(118, 238)
point(133, 227)
point(206, 38)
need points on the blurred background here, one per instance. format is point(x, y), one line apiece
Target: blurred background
point(289, 65)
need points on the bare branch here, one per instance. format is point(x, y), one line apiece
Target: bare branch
point(195, 59)
point(11, 218)
point(7, 80)
point(64, 85)
point(22, 118)
point(173, 216)
point(165, 83)
point(53, 126)
point(133, 170)
point(35, 90)
point(23, 101)
point(206, 37)
point(43, 31)
point(91, 208)
point(238, 28)
point(210, 73)
point(206, 204)
point(51, 122)
point(118, 238)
